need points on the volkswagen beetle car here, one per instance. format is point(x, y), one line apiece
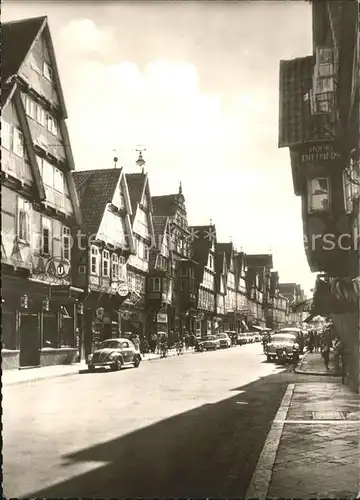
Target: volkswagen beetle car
point(114, 354)
point(210, 342)
point(225, 340)
point(282, 346)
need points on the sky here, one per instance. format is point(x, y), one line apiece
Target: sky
point(196, 84)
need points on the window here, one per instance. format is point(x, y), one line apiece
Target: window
point(5, 134)
point(184, 271)
point(47, 171)
point(94, 260)
point(47, 71)
point(114, 267)
point(23, 220)
point(66, 243)
point(146, 252)
point(46, 235)
point(52, 125)
point(40, 115)
point(106, 264)
point(30, 107)
point(211, 262)
point(58, 180)
point(145, 201)
point(18, 142)
point(351, 189)
point(319, 194)
point(154, 284)
point(323, 103)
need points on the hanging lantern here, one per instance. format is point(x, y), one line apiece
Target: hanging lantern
point(46, 304)
point(24, 301)
point(80, 309)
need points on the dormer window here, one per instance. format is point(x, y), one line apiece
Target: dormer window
point(319, 194)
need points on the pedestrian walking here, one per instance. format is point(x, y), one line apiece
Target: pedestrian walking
point(326, 355)
point(136, 342)
point(153, 342)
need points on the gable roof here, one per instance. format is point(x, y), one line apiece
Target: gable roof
point(219, 263)
point(259, 260)
point(95, 189)
point(201, 247)
point(17, 39)
point(137, 183)
point(165, 205)
point(227, 249)
point(160, 224)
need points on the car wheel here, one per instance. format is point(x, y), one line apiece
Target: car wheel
point(269, 358)
point(91, 368)
point(117, 365)
point(137, 362)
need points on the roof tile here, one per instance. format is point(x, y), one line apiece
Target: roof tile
point(95, 189)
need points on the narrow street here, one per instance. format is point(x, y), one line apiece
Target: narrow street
point(189, 425)
point(192, 425)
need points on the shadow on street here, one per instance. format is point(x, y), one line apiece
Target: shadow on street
point(209, 451)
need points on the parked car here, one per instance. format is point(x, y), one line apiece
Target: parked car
point(225, 340)
point(242, 339)
point(210, 342)
point(300, 335)
point(282, 347)
point(114, 354)
point(256, 337)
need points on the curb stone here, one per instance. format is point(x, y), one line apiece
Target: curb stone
point(77, 370)
point(298, 369)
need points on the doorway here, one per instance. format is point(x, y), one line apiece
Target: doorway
point(29, 340)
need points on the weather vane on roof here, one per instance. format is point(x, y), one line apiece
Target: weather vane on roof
point(140, 162)
point(115, 159)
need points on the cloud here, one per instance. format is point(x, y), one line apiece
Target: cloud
point(222, 145)
point(83, 36)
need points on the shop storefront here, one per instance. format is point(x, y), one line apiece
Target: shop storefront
point(39, 320)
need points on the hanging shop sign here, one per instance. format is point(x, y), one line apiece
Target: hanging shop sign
point(100, 313)
point(46, 305)
point(55, 270)
point(161, 318)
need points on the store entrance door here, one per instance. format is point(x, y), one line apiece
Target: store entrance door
point(29, 340)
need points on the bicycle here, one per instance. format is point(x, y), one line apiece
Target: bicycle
point(179, 348)
point(164, 350)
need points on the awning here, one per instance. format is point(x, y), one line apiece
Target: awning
point(244, 325)
point(262, 328)
point(304, 306)
point(309, 318)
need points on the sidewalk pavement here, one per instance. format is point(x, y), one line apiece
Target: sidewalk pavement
point(312, 363)
point(313, 447)
point(11, 377)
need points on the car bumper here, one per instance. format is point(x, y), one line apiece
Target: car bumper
point(275, 355)
point(99, 364)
